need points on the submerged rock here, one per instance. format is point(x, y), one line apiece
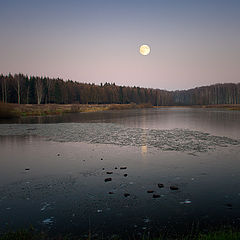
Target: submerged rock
point(108, 179)
point(173, 187)
point(229, 205)
point(125, 175)
point(156, 196)
point(160, 185)
point(109, 172)
point(27, 169)
point(126, 194)
point(110, 192)
point(150, 191)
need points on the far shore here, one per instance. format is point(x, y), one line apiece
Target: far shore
point(221, 106)
point(12, 110)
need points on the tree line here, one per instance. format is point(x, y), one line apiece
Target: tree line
point(22, 89)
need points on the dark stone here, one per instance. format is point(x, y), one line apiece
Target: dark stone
point(115, 167)
point(108, 179)
point(58, 154)
point(27, 169)
point(101, 158)
point(109, 172)
point(160, 185)
point(150, 191)
point(126, 194)
point(103, 168)
point(174, 187)
point(156, 196)
point(125, 175)
point(122, 168)
point(110, 193)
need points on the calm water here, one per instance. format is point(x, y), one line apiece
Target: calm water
point(53, 171)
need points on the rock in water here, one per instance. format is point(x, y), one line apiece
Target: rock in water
point(122, 168)
point(108, 179)
point(150, 191)
point(174, 187)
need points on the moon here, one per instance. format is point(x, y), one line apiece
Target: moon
point(144, 50)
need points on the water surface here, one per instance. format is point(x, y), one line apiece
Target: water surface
point(53, 171)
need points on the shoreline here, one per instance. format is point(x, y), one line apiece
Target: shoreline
point(12, 110)
point(227, 233)
point(220, 106)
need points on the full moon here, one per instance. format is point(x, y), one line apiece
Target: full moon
point(144, 50)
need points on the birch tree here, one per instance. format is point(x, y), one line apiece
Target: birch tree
point(39, 89)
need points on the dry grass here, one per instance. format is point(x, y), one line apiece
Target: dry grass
point(7, 111)
point(225, 106)
point(222, 106)
point(129, 106)
point(16, 110)
point(31, 234)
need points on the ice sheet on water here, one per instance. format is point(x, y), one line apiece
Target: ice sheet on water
point(45, 206)
point(48, 220)
point(184, 140)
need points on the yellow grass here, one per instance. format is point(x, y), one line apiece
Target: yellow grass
point(16, 110)
point(223, 106)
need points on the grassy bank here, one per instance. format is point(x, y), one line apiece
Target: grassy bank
point(32, 235)
point(21, 110)
point(220, 106)
point(225, 106)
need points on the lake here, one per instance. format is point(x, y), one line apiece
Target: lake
point(121, 172)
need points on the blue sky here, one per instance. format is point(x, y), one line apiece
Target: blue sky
point(193, 43)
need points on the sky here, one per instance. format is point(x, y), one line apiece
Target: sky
point(193, 42)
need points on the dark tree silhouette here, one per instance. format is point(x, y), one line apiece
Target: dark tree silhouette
point(36, 90)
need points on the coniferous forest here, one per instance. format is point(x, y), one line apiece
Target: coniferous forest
point(23, 89)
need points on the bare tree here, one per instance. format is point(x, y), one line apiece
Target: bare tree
point(49, 86)
point(39, 89)
point(17, 83)
point(4, 89)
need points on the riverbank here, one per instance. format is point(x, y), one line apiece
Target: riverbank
point(31, 234)
point(220, 106)
point(24, 110)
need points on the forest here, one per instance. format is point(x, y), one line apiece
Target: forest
point(23, 89)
